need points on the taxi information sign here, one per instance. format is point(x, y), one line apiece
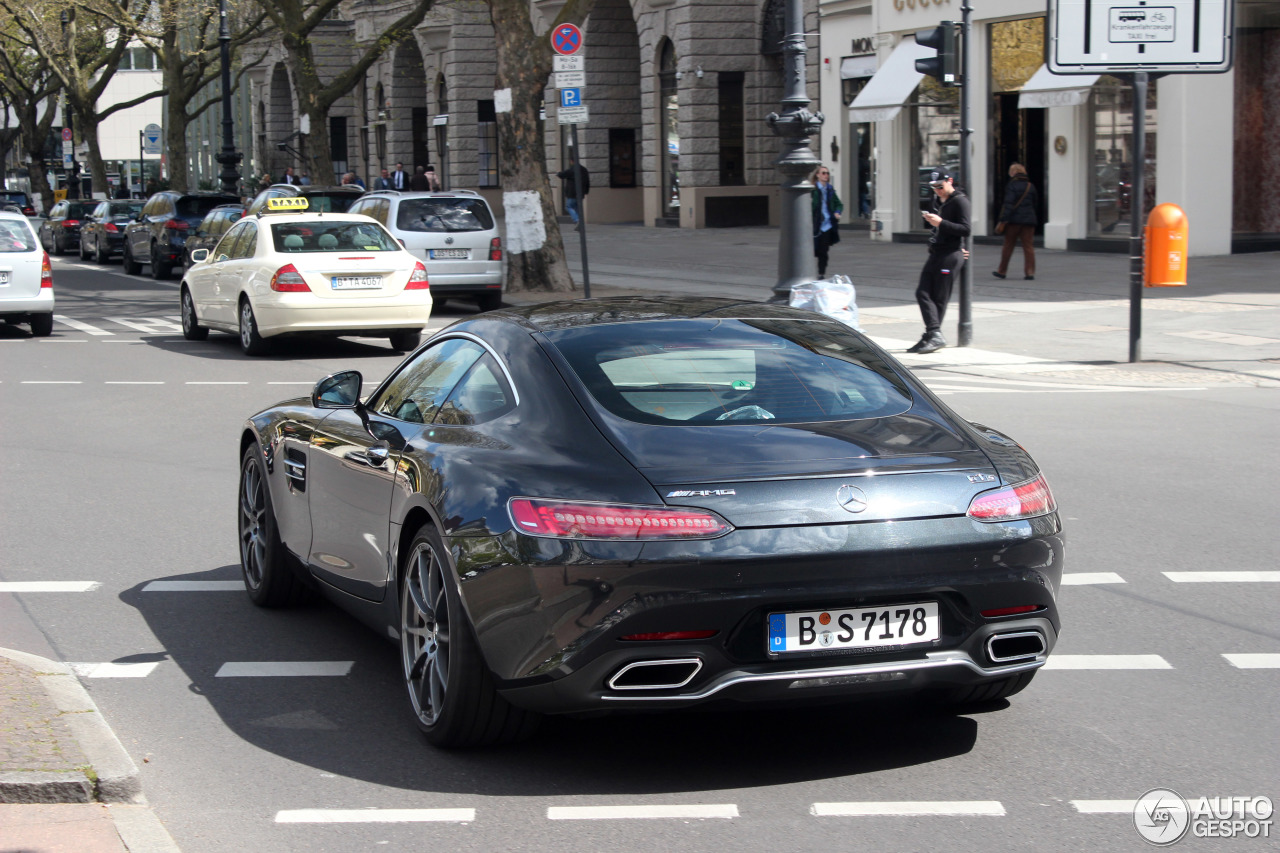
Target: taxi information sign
point(287, 203)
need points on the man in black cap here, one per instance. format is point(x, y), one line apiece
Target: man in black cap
point(950, 222)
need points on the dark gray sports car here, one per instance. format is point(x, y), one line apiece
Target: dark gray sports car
point(651, 504)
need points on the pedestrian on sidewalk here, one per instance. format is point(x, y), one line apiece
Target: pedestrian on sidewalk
point(950, 222)
point(1017, 222)
point(571, 177)
point(433, 180)
point(827, 208)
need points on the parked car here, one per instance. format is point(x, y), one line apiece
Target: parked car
point(158, 235)
point(319, 199)
point(26, 276)
point(297, 273)
point(643, 504)
point(21, 199)
point(60, 232)
point(454, 232)
point(102, 231)
point(211, 229)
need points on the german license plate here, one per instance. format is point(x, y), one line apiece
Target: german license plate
point(854, 628)
point(357, 282)
point(449, 254)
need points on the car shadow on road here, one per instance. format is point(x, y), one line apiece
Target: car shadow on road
point(226, 347)
point(360, 726)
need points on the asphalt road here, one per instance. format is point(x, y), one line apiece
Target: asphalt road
point(119, 462)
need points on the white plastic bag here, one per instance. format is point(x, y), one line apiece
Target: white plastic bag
point(834, 297)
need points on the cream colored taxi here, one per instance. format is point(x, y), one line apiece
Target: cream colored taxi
point(287, 271)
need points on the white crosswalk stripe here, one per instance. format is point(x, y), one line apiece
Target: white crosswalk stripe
point(81, 326)
point(149, 325)
point(1087, 578)
point(1254, 661)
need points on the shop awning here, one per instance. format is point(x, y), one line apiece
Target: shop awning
point(1054, 90)
point(856, 67)
point(883, 96)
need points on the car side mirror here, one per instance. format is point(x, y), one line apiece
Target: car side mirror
point(338, 391)
point(199, 256)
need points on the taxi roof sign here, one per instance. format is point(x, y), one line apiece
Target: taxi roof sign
point(287, 203)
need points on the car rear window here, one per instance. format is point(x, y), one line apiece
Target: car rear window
point(16, 236)
point(292, 237)
point(441, 215)
point(711, 372)
point(125, 208)
point(335, 203)
point(191, 207)
point(80, 211)
point(16, 198)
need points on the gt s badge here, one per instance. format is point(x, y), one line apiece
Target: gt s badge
point(701, 493)
point(983, 478)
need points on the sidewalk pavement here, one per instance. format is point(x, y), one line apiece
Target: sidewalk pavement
point(1070, 324)
point(66, 783)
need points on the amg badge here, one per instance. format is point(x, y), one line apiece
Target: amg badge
point(700, 493)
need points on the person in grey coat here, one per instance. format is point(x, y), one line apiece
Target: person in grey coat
point(1018, 218)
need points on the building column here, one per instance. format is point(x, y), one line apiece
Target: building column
point(1194, 165)
point(1068, 176)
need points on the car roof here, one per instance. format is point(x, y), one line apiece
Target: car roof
point(553, 316)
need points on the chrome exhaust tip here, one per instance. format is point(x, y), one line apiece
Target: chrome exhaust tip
point(665, 674)
point(1021, 645)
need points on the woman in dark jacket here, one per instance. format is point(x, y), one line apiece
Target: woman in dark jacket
point(827, 208)
point(1018, 216)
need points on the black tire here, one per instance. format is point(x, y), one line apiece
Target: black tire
point(160, 270)
point(405, 341)
point(98, 254)
point(41, 325)
point(489, 301)
point(58, 248)
point(438, 302)
point(251, 343)
point(191, 328)
point(80, 250)
point(450, 689)
point(264, 561)
point(991, 691)
point(131, 265)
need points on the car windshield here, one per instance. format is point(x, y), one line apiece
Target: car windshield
point(443, 214)
point(338, 236)
point(125, 208)
point(16, 237)
point(195, 207)
point(330, 203)
point(711, 372)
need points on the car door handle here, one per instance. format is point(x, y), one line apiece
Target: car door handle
point(377, 454)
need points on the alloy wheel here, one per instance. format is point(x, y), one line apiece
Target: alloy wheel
point(425, 634)
point(253, 532)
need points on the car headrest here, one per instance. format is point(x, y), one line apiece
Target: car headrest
point(293, 241)
point(327, 241)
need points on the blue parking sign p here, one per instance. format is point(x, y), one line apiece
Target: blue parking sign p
point(570, 97)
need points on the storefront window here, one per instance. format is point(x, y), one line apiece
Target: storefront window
point(936, 127)
point(1111, 179)
point(1257, 116)
point(1017, 135)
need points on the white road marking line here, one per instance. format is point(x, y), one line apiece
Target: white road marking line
point(81, 326)
point(113, 670)
point(194, 586)
point(49, 586)
point(1057, 661)
point(217, 383)
point(51, 382)
point(1263, 661)
point(727, 810)
point(148, 325)
point(1223, 577)
point(375, 815)
point(1083, 578)
point(1104, 806)
point(278, 669)
point(989, 808)
point(132, 382)
point(1226, 338)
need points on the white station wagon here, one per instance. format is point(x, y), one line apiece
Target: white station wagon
point(291, 273)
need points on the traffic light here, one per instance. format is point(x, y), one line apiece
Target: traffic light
point(942, 67)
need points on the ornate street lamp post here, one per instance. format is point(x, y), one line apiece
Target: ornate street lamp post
point(229, 157)
point(797, 161)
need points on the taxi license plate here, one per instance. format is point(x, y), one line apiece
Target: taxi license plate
point(449, 254)
point(854, 628)
point(357, 282)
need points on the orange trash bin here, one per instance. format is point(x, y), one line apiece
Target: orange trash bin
point(1165, 252)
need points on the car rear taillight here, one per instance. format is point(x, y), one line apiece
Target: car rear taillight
point(70, 223)
point(46, 272)
point(177, 225)
point(288, 280)
point(495, 249)
point(28, 211)
point(418, 279)
point(579, 520)
point(111, 227)
point(1025, 500)
point(1010, 611)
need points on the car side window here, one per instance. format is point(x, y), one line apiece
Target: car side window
point(422, 386)
point(226, 246)
point(247, 244)
point(481, 396)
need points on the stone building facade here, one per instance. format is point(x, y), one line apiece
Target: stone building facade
point(677, 91)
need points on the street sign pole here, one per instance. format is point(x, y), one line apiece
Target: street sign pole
point(566, 41)
point(142, 167)
point(582, 213)
point(1137, 213)
point(964, 332)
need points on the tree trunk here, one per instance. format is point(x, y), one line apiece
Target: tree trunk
point(175, 143)
point(535, 248)
point(318, 158)
point(88, 130)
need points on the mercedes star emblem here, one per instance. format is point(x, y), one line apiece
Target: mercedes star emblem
point(851, 498)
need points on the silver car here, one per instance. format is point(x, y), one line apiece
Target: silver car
point(454, 232)
point(26, 276)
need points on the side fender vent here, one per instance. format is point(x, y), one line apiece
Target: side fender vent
point(295, 469)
